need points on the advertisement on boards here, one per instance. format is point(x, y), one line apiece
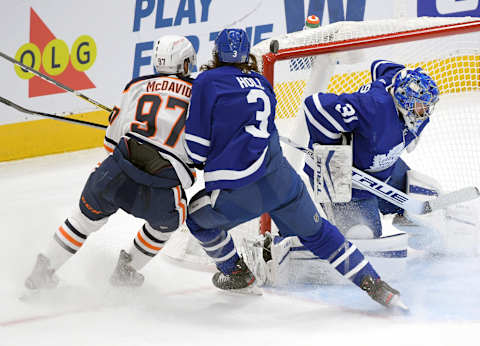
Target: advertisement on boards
point(448, 8)
point(97, 47)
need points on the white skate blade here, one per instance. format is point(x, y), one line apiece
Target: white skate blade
point(252, 290)
point(28, 295)
point(396, 304)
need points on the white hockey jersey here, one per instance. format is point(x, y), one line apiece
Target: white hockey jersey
point(153, 110)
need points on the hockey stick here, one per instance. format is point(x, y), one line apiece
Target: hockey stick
point(57, 83)
point(53, 116)
point(365, 181)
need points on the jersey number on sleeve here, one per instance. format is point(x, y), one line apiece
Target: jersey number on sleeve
point(261, 131)
point(345, 110)
point(148, 107)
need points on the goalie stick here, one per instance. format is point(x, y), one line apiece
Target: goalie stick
point(365, 181)
point(48, 115)
point(57, 83)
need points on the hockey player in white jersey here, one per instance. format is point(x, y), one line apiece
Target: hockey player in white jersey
point(145, 174)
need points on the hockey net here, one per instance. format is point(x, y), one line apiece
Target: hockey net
point(337, 57)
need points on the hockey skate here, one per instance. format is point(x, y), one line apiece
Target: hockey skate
point(125, 275)
point(241, 280)
point(42, 276)
point(383, 294)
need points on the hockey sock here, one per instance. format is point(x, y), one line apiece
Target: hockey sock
point(67, 240)
point(70, 237)
point(351, 263)
point(147, 243)
point(218, 245)
point(329, 244)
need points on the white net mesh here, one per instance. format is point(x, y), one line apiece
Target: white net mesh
point(341, 33)
point(449, 146)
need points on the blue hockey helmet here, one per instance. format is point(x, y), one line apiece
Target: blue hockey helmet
point(232, 45)
point(415, 94)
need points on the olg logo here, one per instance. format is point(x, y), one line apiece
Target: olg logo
point(56, 56)
point(52, 56)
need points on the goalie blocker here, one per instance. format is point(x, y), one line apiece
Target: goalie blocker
point(332, 173)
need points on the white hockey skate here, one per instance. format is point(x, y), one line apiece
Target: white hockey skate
point(125, 275)
point(383, 294)
point(42, 276)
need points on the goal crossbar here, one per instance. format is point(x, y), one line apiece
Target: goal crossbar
point(270, 58)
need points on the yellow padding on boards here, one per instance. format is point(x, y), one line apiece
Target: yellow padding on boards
point(48, 136)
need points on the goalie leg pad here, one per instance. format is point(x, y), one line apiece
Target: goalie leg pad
point(359, 232)
point(292, 263)
point(329, 244)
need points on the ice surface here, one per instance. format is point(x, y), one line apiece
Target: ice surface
point(177, 306)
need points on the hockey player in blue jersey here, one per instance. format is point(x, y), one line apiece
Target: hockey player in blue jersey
point(231, 134)
point(145, 174)
point(381, 119)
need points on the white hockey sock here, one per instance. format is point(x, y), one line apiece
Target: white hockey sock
point(139, 259)
point(66, 241)
point(57, 254)
point(147, 243)
point(70, 236)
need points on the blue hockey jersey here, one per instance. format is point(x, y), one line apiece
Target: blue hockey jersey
point(228, 129)
point(379, 133)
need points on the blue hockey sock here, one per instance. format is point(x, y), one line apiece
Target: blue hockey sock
point(218, 245)
point(350, 262)
point(329, 244)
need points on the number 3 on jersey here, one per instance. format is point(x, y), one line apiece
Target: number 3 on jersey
point(148, 108)
point(261, 131)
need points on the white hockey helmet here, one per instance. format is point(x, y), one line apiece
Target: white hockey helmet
point(170, 53)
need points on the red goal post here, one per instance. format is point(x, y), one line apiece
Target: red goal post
point(447, 48)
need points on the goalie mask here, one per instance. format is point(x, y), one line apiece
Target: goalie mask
point(415, 95)
point(170, 53)
point(232, 46)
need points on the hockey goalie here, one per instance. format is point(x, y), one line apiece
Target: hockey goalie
point(451, 231)
point(380, 120)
